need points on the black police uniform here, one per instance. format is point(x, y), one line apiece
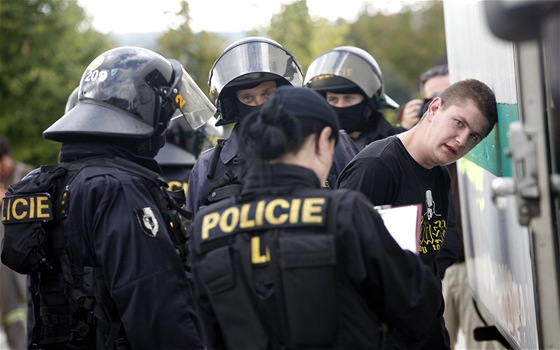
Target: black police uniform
point(228, 168)
point(176, 165)
point(114, 228)
point(289, 265)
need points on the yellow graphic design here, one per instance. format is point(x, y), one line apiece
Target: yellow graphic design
point(475, 174)
point(432, 235)
point(433, 228)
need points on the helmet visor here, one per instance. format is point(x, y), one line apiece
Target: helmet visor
point(346, 65)
point(191, 102)
point(389, 102)
point(250, 58)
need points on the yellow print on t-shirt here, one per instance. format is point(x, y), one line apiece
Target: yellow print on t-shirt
point(433, 228)
point(432, 235)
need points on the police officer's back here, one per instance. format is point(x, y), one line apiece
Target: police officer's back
point(288, 265)
point(113, 278)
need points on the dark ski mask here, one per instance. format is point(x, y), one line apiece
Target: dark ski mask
point(354, 118)
point(244, 110)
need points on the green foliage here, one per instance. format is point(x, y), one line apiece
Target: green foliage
point(196, 51)
point(45, 47)
point(404, 44)
point(303, 36)
point(294, 36)
point(327, 36)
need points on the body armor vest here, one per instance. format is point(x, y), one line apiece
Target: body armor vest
point(223, 180)
point(69, 305)
point(275, 258)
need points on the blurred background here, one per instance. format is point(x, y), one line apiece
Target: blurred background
point(46, 45)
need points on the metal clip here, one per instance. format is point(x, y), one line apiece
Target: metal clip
point(524, 181)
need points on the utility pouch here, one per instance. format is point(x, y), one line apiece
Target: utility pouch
point(29, 209)
point(307, 264)
point(221, 193)
point(229, 294)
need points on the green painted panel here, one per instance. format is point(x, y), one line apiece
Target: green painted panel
point(490, 154)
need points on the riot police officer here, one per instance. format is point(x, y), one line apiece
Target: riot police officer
point(123, 282)
point(287, 265)
point(182, 146)
point(242, 78)
point(352, 82)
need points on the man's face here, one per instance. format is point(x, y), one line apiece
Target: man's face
point(257, 95)
point(454, 130)
point(343, 100)
point(435, 85)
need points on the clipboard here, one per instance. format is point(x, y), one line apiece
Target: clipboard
point(403, 223)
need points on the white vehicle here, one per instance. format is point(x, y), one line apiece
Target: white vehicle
point(510, 183)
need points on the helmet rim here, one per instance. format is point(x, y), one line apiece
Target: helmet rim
point(97, 119)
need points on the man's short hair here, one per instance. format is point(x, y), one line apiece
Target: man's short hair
point(433, 72)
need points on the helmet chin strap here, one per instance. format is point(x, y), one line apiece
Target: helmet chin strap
point(167, 106)
point(228, 111)
point(164, 111)
point(150, 147)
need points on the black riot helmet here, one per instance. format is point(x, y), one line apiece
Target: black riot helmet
point(245, 64)
point(131, 93)
point(346, 68)
point(72, 99)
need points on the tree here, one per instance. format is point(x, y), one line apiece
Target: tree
point(45, 47)
point(303, 36)
point(404, 44)
point(196, 51)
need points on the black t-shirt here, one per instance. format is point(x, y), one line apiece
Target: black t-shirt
point(386, 173)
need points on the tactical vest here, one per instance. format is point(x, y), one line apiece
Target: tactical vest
point(223, 180)
point(70, 305)
point(294, 237)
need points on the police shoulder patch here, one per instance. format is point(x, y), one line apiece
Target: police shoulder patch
point(27, 208)
point(147, 221)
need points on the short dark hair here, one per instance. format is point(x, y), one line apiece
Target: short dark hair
point(476, 91)
point(433, 72)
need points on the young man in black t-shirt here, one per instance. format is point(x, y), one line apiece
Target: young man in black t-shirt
point(409, 168)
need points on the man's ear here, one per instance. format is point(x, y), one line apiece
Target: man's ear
point(433, 107)
point(324, 140)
